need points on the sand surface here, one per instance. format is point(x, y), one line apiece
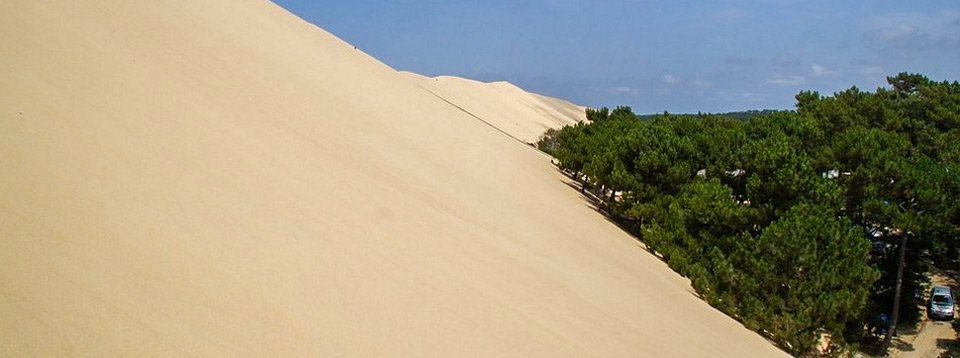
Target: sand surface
point(930, 337)
point(518, 113)
point(221, 179)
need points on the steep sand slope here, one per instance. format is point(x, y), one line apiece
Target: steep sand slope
point(518, 113)
point(218, 178)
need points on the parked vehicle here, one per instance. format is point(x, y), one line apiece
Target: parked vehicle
point(941, 304)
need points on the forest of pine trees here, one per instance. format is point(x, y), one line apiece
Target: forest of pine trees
point(796, 223)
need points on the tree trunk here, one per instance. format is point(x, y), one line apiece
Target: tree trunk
point(895, 315)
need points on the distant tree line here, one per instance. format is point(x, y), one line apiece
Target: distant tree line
point(738, 115)
point(799, 224)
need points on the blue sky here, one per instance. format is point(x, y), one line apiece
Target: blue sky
point(679, 56)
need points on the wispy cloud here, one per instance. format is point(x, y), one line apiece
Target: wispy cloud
point(820, 71)
point(872, 70)
point(624, 90)
point(787, 80)
point(914, 31)
point(671, 79)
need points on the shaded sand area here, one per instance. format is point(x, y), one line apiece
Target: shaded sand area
point(931, 337)
point(219, 178)
point(518, 113)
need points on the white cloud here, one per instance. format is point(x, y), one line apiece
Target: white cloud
point(900, 32)
point(671, 79)
point(820, 71)
point(872, 70)
point(788, 80)
point(914, 31)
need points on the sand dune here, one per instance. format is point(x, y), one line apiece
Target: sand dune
point(518, 113)
point(219, 178)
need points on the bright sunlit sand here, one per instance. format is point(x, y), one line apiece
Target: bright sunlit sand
point(222, 179)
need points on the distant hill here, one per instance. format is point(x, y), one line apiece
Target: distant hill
point(740, 115)
point(512, 110)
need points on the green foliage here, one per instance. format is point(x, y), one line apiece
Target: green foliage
point(549, 142)
point(623, 113)
point(742, 116)
point(597, 114)
point(807, 270)
point(773, 218)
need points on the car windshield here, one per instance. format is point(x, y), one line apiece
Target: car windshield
point(941, 299)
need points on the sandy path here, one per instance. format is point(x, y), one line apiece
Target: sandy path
point(932, 337)
point(219, 178)
point(929, 342)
